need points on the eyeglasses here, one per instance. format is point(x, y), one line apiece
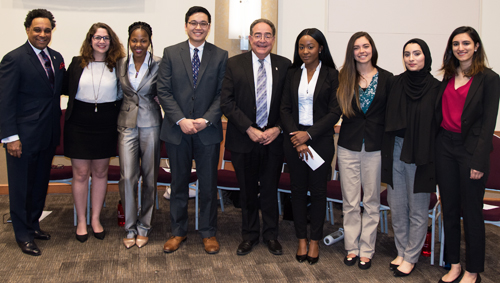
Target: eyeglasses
point(98, 38)
point(194, 24)
point(266, 36)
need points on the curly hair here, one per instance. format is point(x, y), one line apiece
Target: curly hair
point(39, 13)
point(114, 53)
point(149, 31)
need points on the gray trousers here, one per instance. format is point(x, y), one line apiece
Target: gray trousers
point(360, 170)
point(139, 150)
point(409, 210)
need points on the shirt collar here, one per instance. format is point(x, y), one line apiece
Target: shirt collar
point(200, 48)
point(37, 51)
point(256, 59)
point(131, 60)
point(317, 68)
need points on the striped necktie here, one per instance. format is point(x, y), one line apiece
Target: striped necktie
point(261, 95)
point(48, 68)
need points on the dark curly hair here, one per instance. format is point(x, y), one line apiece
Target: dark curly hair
point(115, 51)
point(149, 31)
point(39, 13)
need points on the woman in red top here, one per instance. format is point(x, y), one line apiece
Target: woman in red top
point(466, 112)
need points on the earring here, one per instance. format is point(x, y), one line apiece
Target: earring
point(475, 50)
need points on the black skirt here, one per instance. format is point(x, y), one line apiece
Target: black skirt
point(89, 134)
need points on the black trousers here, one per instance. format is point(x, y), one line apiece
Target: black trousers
point(304, 179)
point(460, 195)
point(28, 182)
point(260, 166)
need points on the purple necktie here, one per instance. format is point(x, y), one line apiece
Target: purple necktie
point(195, 65)
point(48, 68)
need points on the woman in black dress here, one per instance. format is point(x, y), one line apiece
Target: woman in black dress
point(90, 135)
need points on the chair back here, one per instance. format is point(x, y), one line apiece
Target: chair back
point(226, 158)
point(494, 178)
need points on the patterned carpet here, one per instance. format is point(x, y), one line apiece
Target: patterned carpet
point(66, 260)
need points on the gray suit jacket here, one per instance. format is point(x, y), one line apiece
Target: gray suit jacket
point(138, 106)
point(179, 99)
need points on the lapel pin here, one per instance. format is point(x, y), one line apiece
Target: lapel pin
point(276, 68)
point(54, 57)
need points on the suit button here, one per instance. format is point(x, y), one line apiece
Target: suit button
point(192, 98)
point(137, 105)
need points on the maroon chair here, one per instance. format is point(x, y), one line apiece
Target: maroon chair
point(226, 179)
point(492, 216)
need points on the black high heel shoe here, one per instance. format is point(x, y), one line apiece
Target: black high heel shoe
point(459, 276)
point(301, 258)
point(393, 267)
point(312, 260)
point(398, 273)
point(82, 238)
point(100, 235)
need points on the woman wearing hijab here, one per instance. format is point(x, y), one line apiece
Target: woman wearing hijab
point(466, 112)
point(408, 153)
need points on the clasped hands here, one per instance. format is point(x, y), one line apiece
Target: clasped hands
point(263, 137)
point(192, 126)
point(15, 148)
point(299, 139)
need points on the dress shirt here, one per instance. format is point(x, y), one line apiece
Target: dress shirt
point(306, 95)
point(135, 77)
point(88, 89)
point(269, 75)
point(37, 52)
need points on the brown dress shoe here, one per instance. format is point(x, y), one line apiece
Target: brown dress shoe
point(173, 244)
point(141, 241)
point(211, 245)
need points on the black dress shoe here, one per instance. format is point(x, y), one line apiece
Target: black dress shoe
point(274, 247)
point(312, 260)
point(29, 248)
point(398, 273)
point(82, 238)
point(457, 279)
point(301, 258)
point(350, 261)
point(41, 235)
point(246, 247)
point(100, 235)
point(393, 267)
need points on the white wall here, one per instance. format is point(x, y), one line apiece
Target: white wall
point(391, 23)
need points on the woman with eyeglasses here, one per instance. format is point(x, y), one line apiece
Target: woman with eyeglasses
point(90, 135)
point(138, 132)
point(466, 112)
point(309, 111)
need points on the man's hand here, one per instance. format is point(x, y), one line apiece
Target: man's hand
point(15, 148)
point(255, 135)
point(270, 135)
point(299, 137)
point(199, 124)
point(188, 127)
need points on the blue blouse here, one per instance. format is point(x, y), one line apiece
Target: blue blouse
point(366, 96)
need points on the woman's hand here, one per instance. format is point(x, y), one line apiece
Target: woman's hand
point(299, 137)
point(475, 175)
point(304, 151)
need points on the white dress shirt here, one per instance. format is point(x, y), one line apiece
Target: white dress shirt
point(135, 77)
point(306, 96)
point(269, 75)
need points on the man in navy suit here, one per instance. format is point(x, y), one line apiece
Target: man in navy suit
point(31, 78)
point(189, 84)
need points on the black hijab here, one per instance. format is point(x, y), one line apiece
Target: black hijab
point(410, 106)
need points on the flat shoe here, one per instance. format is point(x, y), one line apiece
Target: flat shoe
point(364, 264)
point(211, 245)
point(456, 279)
point(398, 273)
point(141, 241)
point(246, 247)
point(173, 243)
point(350, 261)
point(393, 267)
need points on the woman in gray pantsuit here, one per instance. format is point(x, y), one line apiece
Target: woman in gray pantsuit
point(139, 133)
point(408, 153)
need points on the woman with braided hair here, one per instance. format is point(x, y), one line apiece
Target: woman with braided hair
point(139, 123)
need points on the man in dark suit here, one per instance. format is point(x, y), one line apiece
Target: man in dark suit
point(189, 83)
point(31, 78)
point(250, 99)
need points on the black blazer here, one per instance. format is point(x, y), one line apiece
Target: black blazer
point(72, 80)
point(325, 106)
point(479, 116)
point(238, 101)
point(29, 106)
point(370, 126)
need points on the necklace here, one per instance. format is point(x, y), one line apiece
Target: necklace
point(99, 87)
